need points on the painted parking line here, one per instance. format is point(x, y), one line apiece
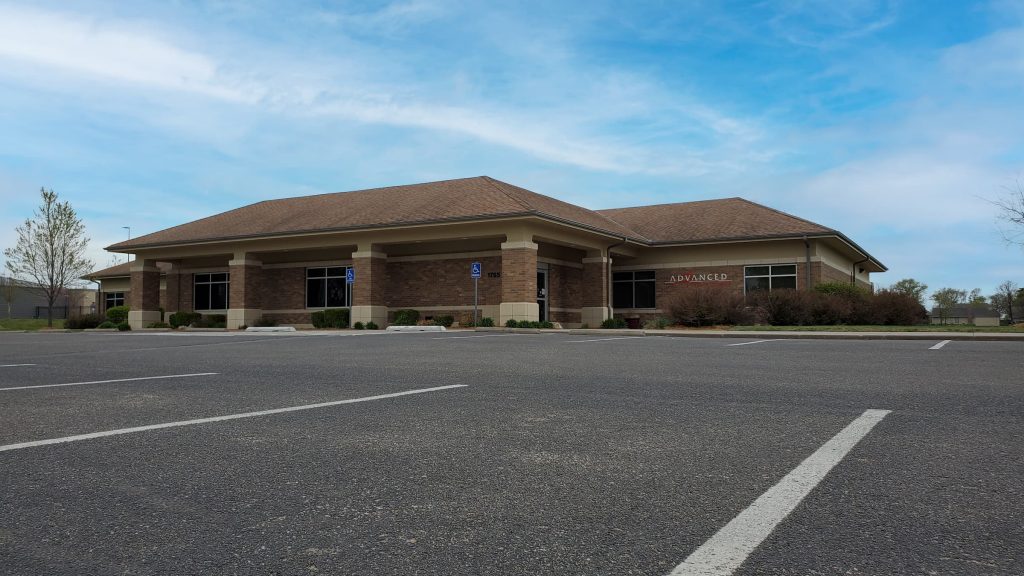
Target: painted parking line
point(14, 365)
point(730, 546)
point(109, 381)
point(754, 342)
point(482, 336)
point(940, 345)
point(227, 417)
point(603, 339)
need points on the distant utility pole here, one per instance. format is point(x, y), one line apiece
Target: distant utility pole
point(129, 229)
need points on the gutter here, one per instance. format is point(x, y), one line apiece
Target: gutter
point(608, 254)
point(807, 263)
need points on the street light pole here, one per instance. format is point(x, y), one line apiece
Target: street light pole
point(129, 229)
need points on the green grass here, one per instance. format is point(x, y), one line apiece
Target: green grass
point(27, 324)
point(921, 328)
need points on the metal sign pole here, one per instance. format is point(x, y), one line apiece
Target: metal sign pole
point(475, 272)
point(476, 292)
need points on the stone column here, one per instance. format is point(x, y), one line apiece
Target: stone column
point(144, 298)
point(244, 305)
point(595, 289)
point(172, 292)
point(518, 280)
point(369, 290)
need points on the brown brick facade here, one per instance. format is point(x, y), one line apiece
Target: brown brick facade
point(595, 284)
point(441, 282)
point(170, 297)
point(246, 286)
point(370, 284)
point(518, 275)
point(145, 292)
point(284, 288)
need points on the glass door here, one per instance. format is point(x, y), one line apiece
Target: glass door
point(542, 294)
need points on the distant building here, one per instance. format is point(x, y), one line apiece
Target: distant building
point(30, 302)
point(978, 314)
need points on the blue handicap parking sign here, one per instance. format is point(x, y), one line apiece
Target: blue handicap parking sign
point(475, 269)
point(350, 276)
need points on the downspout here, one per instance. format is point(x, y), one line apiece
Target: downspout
point(807, 264)
point(608, 254)
point(853, 271)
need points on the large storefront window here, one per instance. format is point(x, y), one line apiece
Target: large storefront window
point(210, 291)
point(111, 299)
point(326, 287)
point(773, 277)
point(633, 289)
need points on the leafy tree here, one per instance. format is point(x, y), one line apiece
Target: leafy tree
point(1004, 299)
point(50, 250)
point(945, 299)
point(8, 288)
point(910, 287)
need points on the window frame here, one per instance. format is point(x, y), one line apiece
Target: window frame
point(325, 277)
point(633, 281)
point(208, 284)
point(771, 275)
point(108, 296)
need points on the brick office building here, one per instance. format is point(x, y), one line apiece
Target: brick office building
point(412, 246)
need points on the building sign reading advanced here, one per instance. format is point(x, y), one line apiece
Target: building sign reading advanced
point(691, 277)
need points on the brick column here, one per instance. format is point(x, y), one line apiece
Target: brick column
point(244, 306)
point(518, 281)
point(144, 298)
point(595, 290)
point(172, 292)
point(369, 290)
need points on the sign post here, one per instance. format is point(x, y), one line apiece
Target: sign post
point(350, 279)
point(475, 270)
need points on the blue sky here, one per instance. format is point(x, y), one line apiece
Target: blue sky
point(891, 121)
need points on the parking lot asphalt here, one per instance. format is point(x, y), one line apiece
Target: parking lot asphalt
point(555, 454)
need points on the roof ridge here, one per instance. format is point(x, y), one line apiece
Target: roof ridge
point(777, 211)
point(675, 203)
point(494, 184)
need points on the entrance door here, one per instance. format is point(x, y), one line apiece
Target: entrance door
point(542, 294)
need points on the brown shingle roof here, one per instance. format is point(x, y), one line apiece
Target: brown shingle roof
point(450, 200)
point(711, 220)
point(118, 270)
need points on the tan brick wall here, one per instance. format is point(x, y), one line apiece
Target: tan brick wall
point(245, 287)
point(441, 283)
point(594, 285)
point(518, 275)
point(370, 287)
point(145, 292)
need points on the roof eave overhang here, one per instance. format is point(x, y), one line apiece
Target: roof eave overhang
point(768, 238)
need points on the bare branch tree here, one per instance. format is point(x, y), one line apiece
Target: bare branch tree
point(1004, 299)
point(50, 250)
point(1011, 212)
point(8, 290)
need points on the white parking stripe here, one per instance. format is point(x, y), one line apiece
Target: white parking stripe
point(727, 549)
point(940, 344)
point(109, 381)
point(13, 365)
point(482, 336)
point(603, 339)
point(179, 423)
point(754, 342)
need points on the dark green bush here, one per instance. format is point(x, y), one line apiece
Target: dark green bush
point(117, 314)
point(183, 318)
point(510, 323)
point(358, 326)
point(265, 322)
point(123, 327)
point(546, 325)
point(844, 289)
point(487, 322)
point(372, 326)
point(445, 321)
point(83, 322)
point(158, 325)
point(333, 318)
point(615, 323)
point(406, 317)
point(107, 325)
point(210, 321)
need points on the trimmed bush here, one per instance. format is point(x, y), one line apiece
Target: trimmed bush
point(708, 306)
point(83, 322)
point(117, 314)
point(547, 325)
point(358, 326)
point(659, 323)
point(264, 322)
point(210, 321)
point(158, 325)
point(527, 324)
point(406, 317)
point(487, 322)
point(445, 321)
point(894, 308)
point(333, 318)
point(179, 319)
point(844, 289)
point(124, 327)
point(614, 323)
point(107, 325)
point(510, 323)
point(371, 325)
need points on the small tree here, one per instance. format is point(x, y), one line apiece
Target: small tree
point(1004, 299)
point(945, 299)
point(910, 287)
point(50, 250)
point(8, 288)
point(1011, 211)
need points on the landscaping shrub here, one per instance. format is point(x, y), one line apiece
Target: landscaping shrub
point(158, 325)
point(708, 306)
point(510, 323)
point(547, 325)
point(615, 323)
point(210, 321)
point(445, 321)
point(179, 319)
point(358, 326)
point(83, 322)
point(785, 307)
point(528, 324)
point(406, 317)
point(487, 322)
point(117, 314)
point(265, 322)
point(372, 326)
point(333, 318)
point(659, 323)
point(124, 327)
point(107, 325)
point(844, 289)
point(896, 309)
